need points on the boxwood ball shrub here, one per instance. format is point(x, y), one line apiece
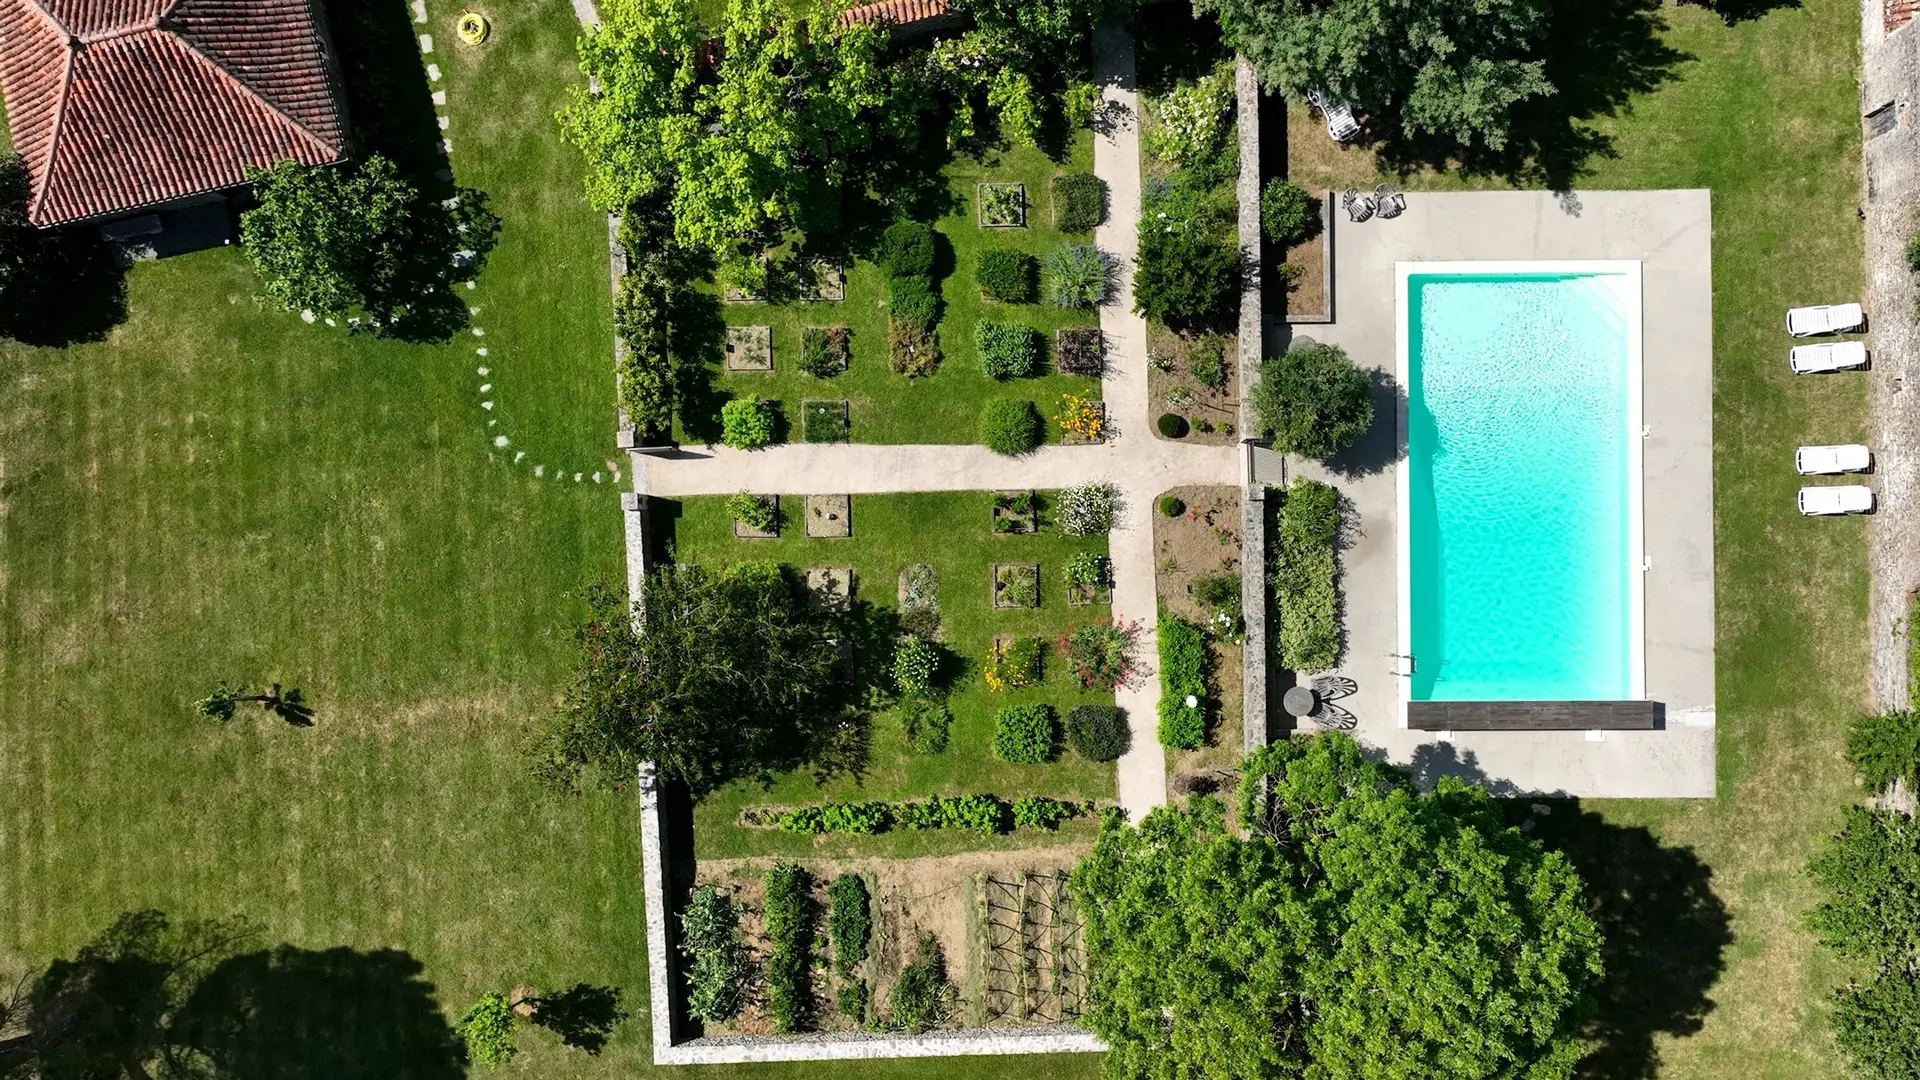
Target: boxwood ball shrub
point(1011, 426)
point(748, 423)
point(1172, 506)
point(1172, 425)
point(1287, 213)
point(1007, 350)
point(1006, 275)
point(1023, 734)
point(1079, 202)
point(906, 249)
point(1097, 732)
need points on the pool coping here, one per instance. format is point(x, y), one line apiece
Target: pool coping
point(1632, 292)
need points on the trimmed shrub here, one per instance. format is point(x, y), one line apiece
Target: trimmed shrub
point(1303, 577)
point(1207, 363)
point(1312, 401)
point(925, 723)
point(487, 1029)
point(640, 317)
point(756, 512)
point(1024, 734)
point(1035, 812)
point(1220, 595)
point(717, 964)
point(915, 662)
point(906, 250)
point(987, 814)
point(1079, 277)
point(1006, 275)
point(912, 300)
point(1287, 213)
point(1011, 426)
point(1172, 425)
point(849, 923)
point(1007, 350)
point(1883, 749)
point(1183, 675)
point(824, 350)
point(748, 423)
point(1187, 274)
point(788, 910)
point(1097, 732)
point(1079, 202)
point(1171, 506)
point(1089, 509)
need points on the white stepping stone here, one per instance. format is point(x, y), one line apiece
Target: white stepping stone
point(439, 97)
point(446, 146)
point(419, 11)
point(539, 470)
point(481, 351)
point(499, 440)
point(596, 477)
point(330, 322)
point(433, 72)
point(479, 332)
point(443, 122)
point(306, 317)
point(426, 44)
point(469, 284)
point(576, 478)
point(487, 405)
point(486, 388)
point(517, 455)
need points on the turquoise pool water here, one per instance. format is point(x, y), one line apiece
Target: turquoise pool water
point(1518, 480)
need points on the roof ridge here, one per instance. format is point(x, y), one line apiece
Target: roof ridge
point(53, 21)
point(53, 130)
point(245, 87)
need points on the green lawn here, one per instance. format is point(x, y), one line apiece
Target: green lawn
point(943, 407)
point(951, 533)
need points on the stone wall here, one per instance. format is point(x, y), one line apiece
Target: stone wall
point(1253, 514)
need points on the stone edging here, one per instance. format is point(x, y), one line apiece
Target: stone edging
point(1252, 348)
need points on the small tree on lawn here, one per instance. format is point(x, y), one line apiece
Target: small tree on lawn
point(1312, 401)
point(329, 239)
point(1309, 947)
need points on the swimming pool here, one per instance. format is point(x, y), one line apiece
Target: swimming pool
point(1521, 546)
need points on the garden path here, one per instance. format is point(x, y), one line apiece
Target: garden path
point(1141, 465)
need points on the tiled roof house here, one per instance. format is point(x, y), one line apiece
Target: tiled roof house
point(119, 105)
point(911, 18)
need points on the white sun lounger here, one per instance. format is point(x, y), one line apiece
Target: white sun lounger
point(1824, 319)
point(1341, 126)
point(1843, 499)
point(1832, 460)
point(1827, 356)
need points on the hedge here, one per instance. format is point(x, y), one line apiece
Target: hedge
point(1183, 674)
point(1079, 202)
point(1006, 275)
point(1007, 350)
point(1024, 734)
point(788, 911)
point(907, 249)
point(1303, 577)
point(982, 813)
point(1097, 732)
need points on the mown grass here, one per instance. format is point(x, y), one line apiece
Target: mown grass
point(943, 407)
point(950, 532)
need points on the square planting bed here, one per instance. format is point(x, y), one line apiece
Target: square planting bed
point(821, 280)
point(1078, 437)
point(1014, 513)
point(829, 516)
point(830, 587)
point(1088, 595)
point(825, 350)
point(1016, 585)
point(919, 601)
point(824, 421)
point(1001, 206)
point(1080, 350)
point(749, 348)
point(743, 531)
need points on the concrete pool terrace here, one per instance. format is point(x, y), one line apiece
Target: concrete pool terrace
point(1669, 234)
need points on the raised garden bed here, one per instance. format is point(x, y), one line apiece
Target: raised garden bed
point(830, 587)
point(744, 531)
point(749, 348)
point(1016, 585)
point(1001, 205)
point(821, 280)
point(825, 350)
point(824, 421)
point(1080, 350)
point(829, 516)
point(918, 601)
point(1015, 512)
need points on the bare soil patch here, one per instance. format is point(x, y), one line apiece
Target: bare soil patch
point(1173, 387)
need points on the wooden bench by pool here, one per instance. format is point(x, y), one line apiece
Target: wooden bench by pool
point(1532, 715)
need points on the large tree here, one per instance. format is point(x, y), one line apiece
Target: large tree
point(1454, 68)
point(1312, 400)
point(729, 674)
point(1870, 872)
point(1358, 929)
point(753, 131)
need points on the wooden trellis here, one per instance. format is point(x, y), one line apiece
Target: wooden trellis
point(1035, 964)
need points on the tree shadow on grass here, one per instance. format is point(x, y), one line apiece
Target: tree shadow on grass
point(1666, 931)
point(74, 291)
point(1599, 54)
point(1733, 12)
point(582, 1016)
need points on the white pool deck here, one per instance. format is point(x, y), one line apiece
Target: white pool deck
point(1669, 234)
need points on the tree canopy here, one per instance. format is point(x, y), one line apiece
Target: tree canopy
point(1311, 400)
point(1870, 872)
point(731, 674)
point(1454, 68)
point(1360, 928)
point(753, 132)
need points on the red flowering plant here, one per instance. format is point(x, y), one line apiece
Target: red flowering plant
point(1101, 653)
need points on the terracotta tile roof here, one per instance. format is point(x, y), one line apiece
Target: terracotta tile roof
point(895, 12)
point(119, 104)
